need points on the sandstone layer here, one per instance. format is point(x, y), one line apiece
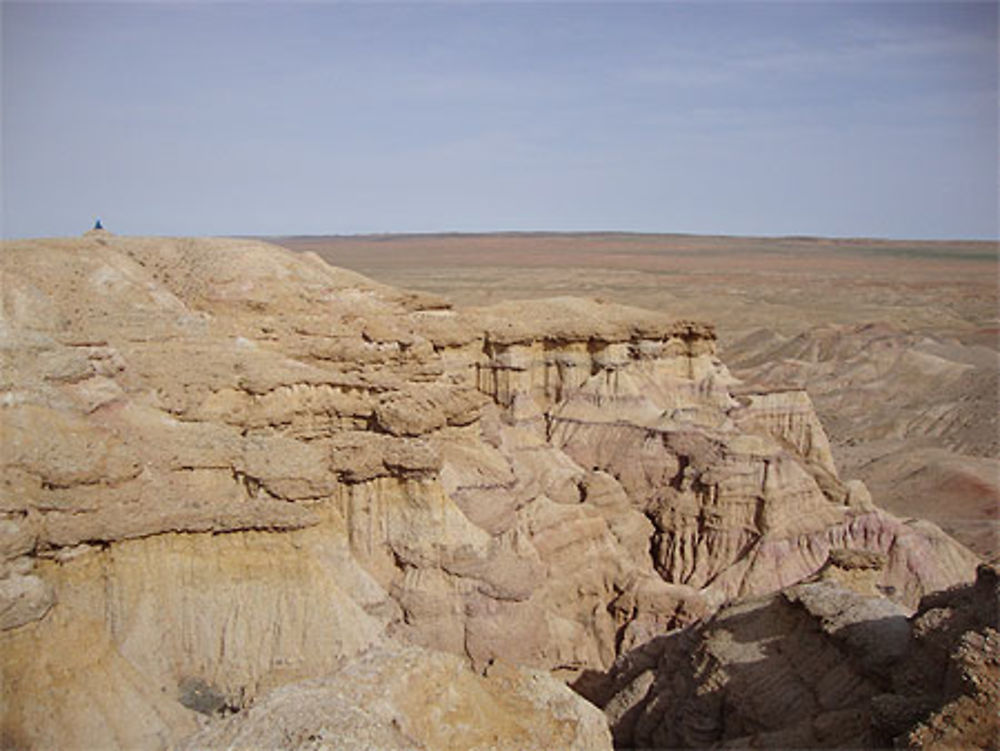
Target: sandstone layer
point(229, 468)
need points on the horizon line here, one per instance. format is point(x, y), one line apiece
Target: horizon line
point(597, 232)
point(801, 237)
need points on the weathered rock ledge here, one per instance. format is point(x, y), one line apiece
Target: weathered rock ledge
point(817, 665)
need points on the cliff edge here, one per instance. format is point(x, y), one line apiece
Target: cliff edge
point(229, 468)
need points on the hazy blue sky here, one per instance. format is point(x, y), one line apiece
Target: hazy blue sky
point(846, 118)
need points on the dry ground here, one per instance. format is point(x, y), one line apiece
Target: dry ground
point(896, 341)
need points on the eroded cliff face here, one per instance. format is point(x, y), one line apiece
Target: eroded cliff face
point(227, 467)
point(823, 664)
point(915, 415)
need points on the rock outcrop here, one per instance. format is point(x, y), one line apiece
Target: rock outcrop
point(229, 468)
point(409, 699)
point(816, 665)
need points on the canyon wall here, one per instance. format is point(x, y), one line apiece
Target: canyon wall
point(228, 468)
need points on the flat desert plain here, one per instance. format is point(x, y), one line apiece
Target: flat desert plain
point(895, 341)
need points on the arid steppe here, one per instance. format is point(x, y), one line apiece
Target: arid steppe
point(895, 341)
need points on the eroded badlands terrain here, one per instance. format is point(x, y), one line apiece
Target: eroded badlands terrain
point(895, 341)
point(253, 500)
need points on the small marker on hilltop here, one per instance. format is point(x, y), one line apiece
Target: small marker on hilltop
point(98, 232)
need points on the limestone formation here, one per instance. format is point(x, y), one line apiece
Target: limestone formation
point(229, 468)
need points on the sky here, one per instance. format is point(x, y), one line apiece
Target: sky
point(265, 118)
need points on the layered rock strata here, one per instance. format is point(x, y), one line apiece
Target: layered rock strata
point(231, 466)
point(914, 415)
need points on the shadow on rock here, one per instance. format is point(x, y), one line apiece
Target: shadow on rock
point(814, 666)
